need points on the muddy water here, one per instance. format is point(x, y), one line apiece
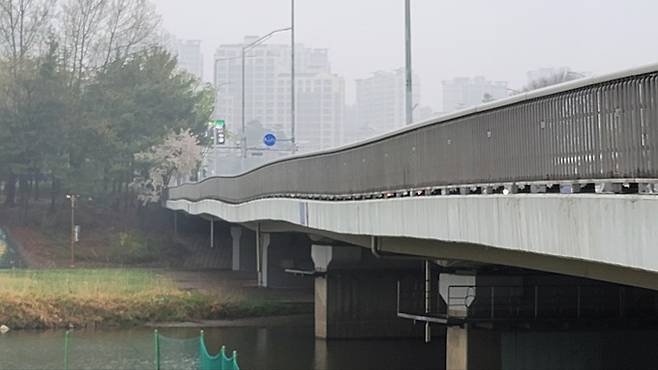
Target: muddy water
point(290, 348)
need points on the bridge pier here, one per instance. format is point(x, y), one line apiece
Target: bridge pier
point(351, 303)
point(236, 234)
point(262, 257)
point(243, 249)
point(471, 349)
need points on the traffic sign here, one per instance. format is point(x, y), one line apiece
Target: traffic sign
point(269, 139)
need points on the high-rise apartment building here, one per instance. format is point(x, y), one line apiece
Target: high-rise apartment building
point(188, 54)
point(463, 92)
point(320, 94)
point(380, 101)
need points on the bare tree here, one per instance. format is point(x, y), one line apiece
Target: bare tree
point(558, 76)
point(23, 26)
point(97, 32)
point(81, 22)
point(129, 25)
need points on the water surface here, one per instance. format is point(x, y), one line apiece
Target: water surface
point(287, 348)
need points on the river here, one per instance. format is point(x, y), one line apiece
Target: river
point(290, 348)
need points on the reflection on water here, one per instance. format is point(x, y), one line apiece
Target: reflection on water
point(288, 348)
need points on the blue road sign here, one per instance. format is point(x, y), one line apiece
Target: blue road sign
point(269, 139)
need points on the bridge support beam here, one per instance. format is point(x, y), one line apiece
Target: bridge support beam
point(356, 303)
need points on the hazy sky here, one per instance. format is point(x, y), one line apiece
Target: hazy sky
point(500, 40)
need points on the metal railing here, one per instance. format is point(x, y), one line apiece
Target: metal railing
point(411, 298)
point(599, 128)
point(550, 302)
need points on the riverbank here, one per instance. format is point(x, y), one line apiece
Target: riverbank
point(92, 298)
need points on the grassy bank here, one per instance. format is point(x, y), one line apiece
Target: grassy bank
point(62, 298)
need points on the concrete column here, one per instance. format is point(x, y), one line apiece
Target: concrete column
point(456, 348)
point(212, 232)
point(264, 260)
point(470, 349)
point(175, 224)
point(236, 234)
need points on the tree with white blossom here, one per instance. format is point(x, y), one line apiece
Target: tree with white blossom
point(175, 158)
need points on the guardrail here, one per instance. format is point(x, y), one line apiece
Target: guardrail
point(603, 128)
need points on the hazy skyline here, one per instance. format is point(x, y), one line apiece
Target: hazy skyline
point(497, 40)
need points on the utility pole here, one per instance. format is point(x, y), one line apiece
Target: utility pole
point(408, 95)
point(243, 138)
point(292, 77)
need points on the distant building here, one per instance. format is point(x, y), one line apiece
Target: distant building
point(320, 94)
point(188, 54)
point(463, 92)
point(380, 101)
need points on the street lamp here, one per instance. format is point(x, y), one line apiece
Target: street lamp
point(74, 229)
point(243, 141)
point(292, 76)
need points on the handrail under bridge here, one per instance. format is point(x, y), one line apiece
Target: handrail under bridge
point(597, 129)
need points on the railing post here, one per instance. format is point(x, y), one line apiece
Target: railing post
point(578, 302)
point(428, 333)
point(156, 339)
point(536, 301)
point(398, 295)
point(493, 292)
point(66, 350)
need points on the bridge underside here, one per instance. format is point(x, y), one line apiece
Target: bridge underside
point(608, 238)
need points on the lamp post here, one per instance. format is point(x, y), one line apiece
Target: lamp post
point(72, 197)
point(292, 76)
point(408, 94)
point(243, 141)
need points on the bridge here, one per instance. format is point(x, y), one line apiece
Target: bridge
point(561, 180)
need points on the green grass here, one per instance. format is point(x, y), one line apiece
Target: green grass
point(85, 282)
point(62, 298)
point(97, 297)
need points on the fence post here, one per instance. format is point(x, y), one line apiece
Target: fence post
point(66, 350)
point(235, 361)
point(156, 339)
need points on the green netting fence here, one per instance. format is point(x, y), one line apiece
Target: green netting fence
point(165, 353)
